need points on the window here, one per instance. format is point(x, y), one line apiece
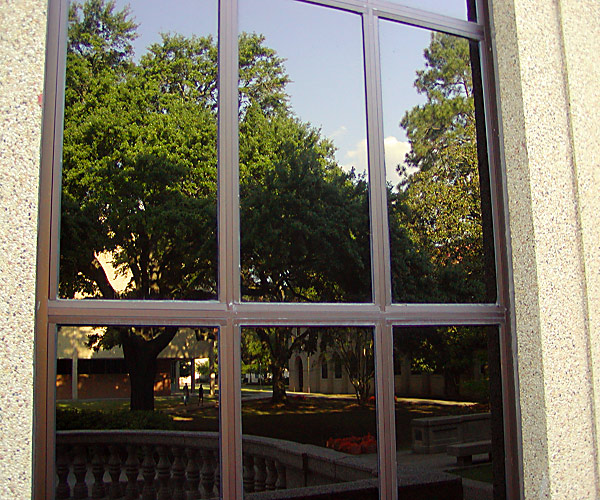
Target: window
point(337, 368)
point(253, 222)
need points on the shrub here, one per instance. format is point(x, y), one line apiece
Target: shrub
point(72, 419)
point(353, 445)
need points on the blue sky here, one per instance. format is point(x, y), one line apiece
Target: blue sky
point(323, 52)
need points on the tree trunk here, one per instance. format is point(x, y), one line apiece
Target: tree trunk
point(141, 365)
point(451, 384)
point(279, 394)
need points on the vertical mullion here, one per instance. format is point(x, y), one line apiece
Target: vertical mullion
point(47, 254)
point(228, 157)
point(380, 262)
point(230, 411)
point(380, 253)
point(386, 436)
point(508, 349)
point(55, 100)
point(230, 448)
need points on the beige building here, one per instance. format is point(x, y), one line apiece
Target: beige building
point(547, 58)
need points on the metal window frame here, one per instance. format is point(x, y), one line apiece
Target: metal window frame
point(229, 313)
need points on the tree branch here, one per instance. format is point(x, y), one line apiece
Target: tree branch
point(96, 273)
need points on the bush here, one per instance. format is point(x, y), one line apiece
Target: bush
point(73, 419)
point(354, 445)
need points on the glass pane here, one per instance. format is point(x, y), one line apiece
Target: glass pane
point(308, 411)
point(454, 8)
point(138, 214)
point(303, 161)
point(436, 168)
point(449, 408)
point(125, 411)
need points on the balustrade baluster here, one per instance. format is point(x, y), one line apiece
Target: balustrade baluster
point(192, 472)
point(281, 479)
point(98, 490)
point(114, 470)
point(218, 474)
point(132, 471)
point(148, 471)
point(271, 478)
point(248, 474)
point(260, 475)
point(178, 473)
point(163, 469)
point(63, 491)
point(207, 475)
point(80, 489)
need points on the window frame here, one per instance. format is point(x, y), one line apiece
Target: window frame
point(229, 312)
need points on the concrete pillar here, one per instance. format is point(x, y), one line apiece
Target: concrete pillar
point(176, 375)
point(548, 57)
point(211, 366)
point(193, 375)
point(22, 53)
point(75, 376)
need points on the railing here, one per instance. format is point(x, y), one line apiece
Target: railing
point(160, 465)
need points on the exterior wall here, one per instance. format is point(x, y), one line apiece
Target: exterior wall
point(111, 385)
point(22, 53)
point(548, 57)
point(71, 342)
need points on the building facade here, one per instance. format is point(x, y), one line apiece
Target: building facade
point(547, 58)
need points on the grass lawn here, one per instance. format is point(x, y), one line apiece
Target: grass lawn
point(476, 473)
point(310, 420)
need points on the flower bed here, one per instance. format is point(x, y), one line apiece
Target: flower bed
point(354, 445)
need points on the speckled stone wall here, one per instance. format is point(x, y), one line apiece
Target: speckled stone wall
point(22, 51)
point(581, 39)
point(548, 57)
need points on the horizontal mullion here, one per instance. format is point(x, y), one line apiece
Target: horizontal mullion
point(356, 6)
point(306, 314)
point(445, 314)
point(184, 313)
point(157, 313)
point(429, 20)
point(407, 15)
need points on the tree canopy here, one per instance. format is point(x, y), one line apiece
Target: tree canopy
point(440, 203)
point(139, 187)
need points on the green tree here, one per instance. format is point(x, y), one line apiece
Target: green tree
point(355, 350)
point(450, 351)
point(304, 226)
point(440, 203)
point(139, 170)
point(271, 349)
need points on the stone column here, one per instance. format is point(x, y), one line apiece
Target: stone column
point(22, 53)
point(75, 375)
point(549, 72)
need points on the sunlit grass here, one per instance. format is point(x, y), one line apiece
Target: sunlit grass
point(305, 418)
point(482, 473)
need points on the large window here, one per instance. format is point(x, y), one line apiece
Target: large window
point(275, 229)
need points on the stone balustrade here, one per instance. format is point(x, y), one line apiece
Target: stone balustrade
point(163, 465)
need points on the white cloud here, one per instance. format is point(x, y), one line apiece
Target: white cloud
point(338, 133)
point(356, 157)
point(395, 152)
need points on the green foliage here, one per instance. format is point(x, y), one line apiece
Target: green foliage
point(451, 351)
point(73, 418)
point(440, 203)
point(355, 349)
point(304, 220)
